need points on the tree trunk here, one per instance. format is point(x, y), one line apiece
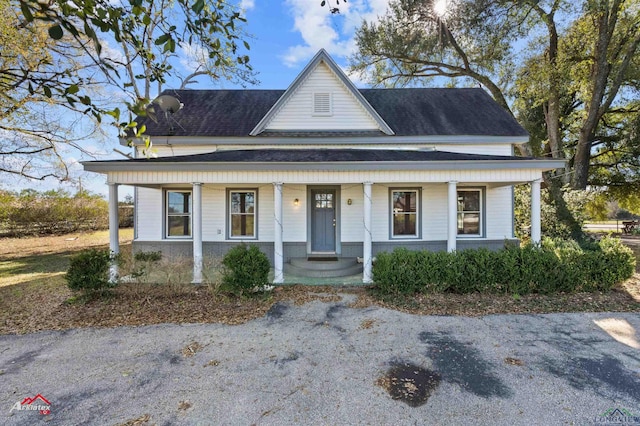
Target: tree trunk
point(563, 214)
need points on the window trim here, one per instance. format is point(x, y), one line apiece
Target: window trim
point(418, 234)
point(255, 214)
point(482, 220)
point(320, 113)
point(166, 214)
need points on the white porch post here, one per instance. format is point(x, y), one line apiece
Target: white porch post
point(452, 215)
point(278, 255)
point(114, 244)
point(367, 275)
point(196, 228)
point(536, 232)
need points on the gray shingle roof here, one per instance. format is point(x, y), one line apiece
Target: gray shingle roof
point(409, 112)
point(324, 156)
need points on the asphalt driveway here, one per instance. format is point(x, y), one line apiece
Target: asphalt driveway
point(328, 364)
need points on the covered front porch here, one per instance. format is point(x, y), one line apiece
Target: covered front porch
point(347, 222)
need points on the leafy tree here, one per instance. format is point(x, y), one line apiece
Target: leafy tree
point(148, 61)
point(573, 83)
point(61, 56)
point(141, 25)
point(34, 135)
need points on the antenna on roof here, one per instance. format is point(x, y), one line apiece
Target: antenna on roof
point(169, 105)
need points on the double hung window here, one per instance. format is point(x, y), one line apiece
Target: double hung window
point(405, 209)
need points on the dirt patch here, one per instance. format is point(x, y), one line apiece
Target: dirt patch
point(142, 420)
point(513, 361)
point(184, 405)
point(191, 349)
point(367, 324)
point(409, 383)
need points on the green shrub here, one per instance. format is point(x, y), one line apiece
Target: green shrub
point(245, 268)
point(617, 264)
point(552, 267)
point(148, 256)
point(89, 271)
point(143, 263)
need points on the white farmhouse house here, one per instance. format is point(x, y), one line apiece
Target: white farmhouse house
point(326, 171)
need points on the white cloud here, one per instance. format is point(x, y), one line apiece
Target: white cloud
point(247, 4)
point(358, 78)
point(194, 56)
point(111, 53)
point(320, 29)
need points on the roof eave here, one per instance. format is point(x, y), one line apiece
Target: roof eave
point(152, 166)
point(356, 140)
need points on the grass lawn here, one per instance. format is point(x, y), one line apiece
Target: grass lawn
point(34, 295)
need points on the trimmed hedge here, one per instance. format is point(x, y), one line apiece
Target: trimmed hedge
point(555, 266)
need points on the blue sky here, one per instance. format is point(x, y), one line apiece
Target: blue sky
point(285, 35)
point(288, 33)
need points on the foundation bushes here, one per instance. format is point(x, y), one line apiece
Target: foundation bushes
point(555, 266)
point(245, 268)
point(88, 272)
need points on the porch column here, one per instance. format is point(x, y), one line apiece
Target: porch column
point(278, 255)
point(114, 244)
point(452, 215)
point(536, 232)
point(196, 229)
point(367, 275)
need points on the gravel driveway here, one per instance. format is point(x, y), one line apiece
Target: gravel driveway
point(328, 364)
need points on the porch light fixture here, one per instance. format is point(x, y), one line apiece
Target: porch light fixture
point(296, 202)
point(349, 201)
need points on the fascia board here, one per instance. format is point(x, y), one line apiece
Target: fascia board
point(377, 140)
point(105, 167)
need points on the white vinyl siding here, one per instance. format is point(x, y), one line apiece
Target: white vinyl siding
point(493, 149)
point(294, 217)
point(213, 218)
point(168, 151)
point(197, 145)
point(434, 212)
point(265, 212)
point(499, 213)
point(149, 214)
point(433, 203)
point(380, 215)
point(297, 113)
point(351, 223)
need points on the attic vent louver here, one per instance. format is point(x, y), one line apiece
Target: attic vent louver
point(322, 103)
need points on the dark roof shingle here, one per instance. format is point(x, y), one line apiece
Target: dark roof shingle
point(324, 156)
point(409, 112)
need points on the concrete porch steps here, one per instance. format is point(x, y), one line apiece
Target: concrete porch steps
point(342, 267)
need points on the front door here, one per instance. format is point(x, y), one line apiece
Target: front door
point(323, 220)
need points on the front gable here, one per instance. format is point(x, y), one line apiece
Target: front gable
point(322, 98)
